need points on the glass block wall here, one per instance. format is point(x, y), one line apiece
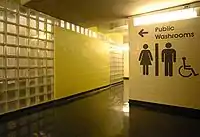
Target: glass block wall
point(116, 64)
point(26, 57)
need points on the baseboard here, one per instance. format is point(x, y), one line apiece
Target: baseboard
point(54, 103)
point(173, 110)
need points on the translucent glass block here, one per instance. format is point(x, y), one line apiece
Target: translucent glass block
point(50, 71)
point(49, 96)
point(23, 41)
point(42, 17)
point(23, 51)
point(11, 17)
point(49, 28)
point(33, 23)
point(11, 73)
point(42, 53)
point(32, 91)
point(1, 38)
point(23, 10)
point(12, 106)
point(41, 89)
point(22, 103)
point(42, 35)
point(50, 80)
point(2, 86)
point(32, 72)
point(33, 100)
point(11, 62)
point(82, 30)
point(23, 20)
point(22, 92)
point(49, 21)
point(2, 108)
point(50, 54)
point(1, 26)
point(67, 25)
point(40, 80)
point(2, 73)
point(50, 45)
point(23, 62)
point(2, 96)
point(33, 33)
point(73, 27)
point(42, 44)
point(41, 62)
point(42, 26)
point(41, 98)
point(1, 49)
point(78, 29)
point(33, 62)
point(23, 73)
point(11, 50)
point(33, 14)
point(49, 88)
point(50, 36)
point(62, 24)
point(12, 94)
point(33, 42)
point(33, 52)
point(50, 63)
point(12, 5)
point(23, 31)
point(2, 3)
point(11, 39)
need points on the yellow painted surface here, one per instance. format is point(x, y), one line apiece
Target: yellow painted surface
point(81, 63)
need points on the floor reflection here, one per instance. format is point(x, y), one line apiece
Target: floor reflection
point(100, 115)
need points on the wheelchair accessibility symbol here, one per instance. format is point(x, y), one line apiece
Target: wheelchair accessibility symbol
point(186, 70)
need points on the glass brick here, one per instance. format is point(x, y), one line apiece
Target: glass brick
point(32, 72)
point(41, 72)
point(49, 45)
point(42, 35)
point(50, 54)
point(41, 62)
point(23, 51)
point(11, 62)
point(2, 73)
point(49, 96)
point(49, 21)
point(23, 62)
point(49, 28)
point(41, 98)
point(42, 17)
point(23, 20)
point(2, 3)
point(33, 52)
point(42, 53)
point(33, 100)
point(1, 38)
point(42, 26)
point(11, 94)
point(23, 31)
point(11, 73)
point(23, 73)
point(32, 91)
point(12, 106)
point(41, 89)
point(32, 82)
point(33, 23)
point(33, 42)
point(1, 50)
point(33, 14)
point(33, 33)
point(33, 62)
point(50, 80)
point(12, 5)
point(49, 88)
point(50, 63)
point(11, 51)
point(23, 41)
point(62, 24)
point(11, 17)
point(50, 36)
point(2, 96)
point(50, 71)
point(2, 86)
point(1, 26)
point(42, 44)
point(22, 92)
point(22, 103)
point(11, 39)
point(23, 10)
point(2, 108)
point(40, 80)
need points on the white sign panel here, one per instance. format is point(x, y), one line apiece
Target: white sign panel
point(165, 63)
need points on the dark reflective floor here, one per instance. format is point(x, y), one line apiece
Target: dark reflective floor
point(99, 115)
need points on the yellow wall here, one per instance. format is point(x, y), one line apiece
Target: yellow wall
point(81, 63)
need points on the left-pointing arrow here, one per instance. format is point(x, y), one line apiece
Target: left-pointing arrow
point(142, 32)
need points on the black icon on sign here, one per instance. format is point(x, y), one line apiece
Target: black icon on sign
point(186, 70)
point(145, 59)
point(168, 57)
point(142, 32)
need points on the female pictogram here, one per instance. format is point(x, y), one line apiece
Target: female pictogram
point(145, 59)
